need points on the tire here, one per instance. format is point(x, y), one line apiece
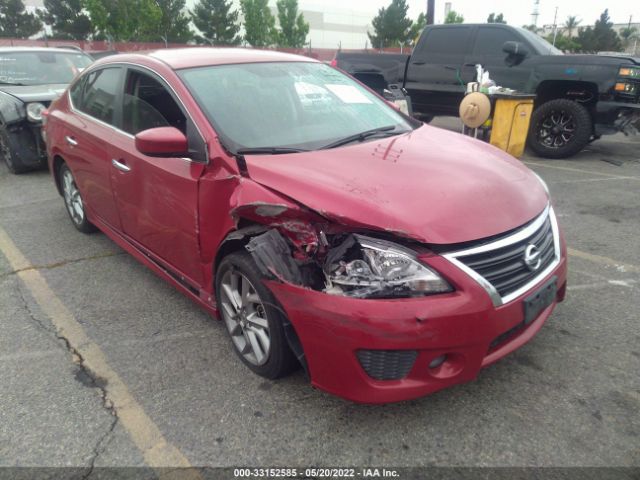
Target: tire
point(6, 152)
point(73, 201)
point(559, 129)
point(261, 319)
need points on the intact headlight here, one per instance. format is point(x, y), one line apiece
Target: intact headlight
point(629, 72)
point(34, 111)
point(372, 268)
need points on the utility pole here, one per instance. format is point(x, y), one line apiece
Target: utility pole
point(555, 27)
point(431, 7)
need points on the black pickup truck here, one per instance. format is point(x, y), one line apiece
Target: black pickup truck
point(578, 97)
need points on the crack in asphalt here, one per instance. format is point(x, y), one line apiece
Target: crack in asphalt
point(51, 266)
point(27, 309)
point(86, 377)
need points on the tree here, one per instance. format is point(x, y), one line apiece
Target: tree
point(67, 19)
point(259, 23)
point(217, 23)
point(391, 26)
point(416, 29)
point(564, 43)
point(602, 37)
point(493, 18)
point(453, 17)
point(15, 22)
point(293, 29)
point(174, 23)
point(571, 24)
point(125, 20)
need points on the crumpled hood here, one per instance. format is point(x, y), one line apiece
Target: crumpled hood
point(35, 93)
point(431, 185)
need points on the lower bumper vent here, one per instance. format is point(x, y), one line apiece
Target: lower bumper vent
point(387, 364)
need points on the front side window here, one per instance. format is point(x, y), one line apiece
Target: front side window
point(148, 104)
point(41, 67)
point(99, 93)
point(287, 104)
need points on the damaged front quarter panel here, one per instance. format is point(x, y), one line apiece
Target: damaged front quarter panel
point(303, 248)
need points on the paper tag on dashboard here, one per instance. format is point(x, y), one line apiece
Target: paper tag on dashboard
point(348, 93)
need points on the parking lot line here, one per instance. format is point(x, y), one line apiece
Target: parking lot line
point(625, 267)
point(580, 170)
point(158, 453)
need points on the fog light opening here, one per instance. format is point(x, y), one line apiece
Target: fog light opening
point(436, 362)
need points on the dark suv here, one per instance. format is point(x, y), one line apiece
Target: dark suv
point(30, 79)
point(579, 97)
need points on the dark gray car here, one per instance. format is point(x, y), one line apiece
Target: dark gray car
point(30, 79)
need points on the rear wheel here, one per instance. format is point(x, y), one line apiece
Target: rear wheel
point(559, 129)
point(6, 152)
point(252, 317)
point(73, 201)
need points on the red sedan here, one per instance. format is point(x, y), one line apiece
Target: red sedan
point(325, 228)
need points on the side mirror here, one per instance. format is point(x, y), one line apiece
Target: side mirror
point(516, 49)
point(162, 142)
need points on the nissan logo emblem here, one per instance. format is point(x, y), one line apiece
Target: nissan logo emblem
point(532, 257)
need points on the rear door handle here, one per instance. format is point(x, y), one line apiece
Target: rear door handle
point(120, 165)
point(71, 141)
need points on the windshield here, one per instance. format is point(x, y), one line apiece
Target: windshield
point(542, 46)
point(295, 105)
point(41, 67)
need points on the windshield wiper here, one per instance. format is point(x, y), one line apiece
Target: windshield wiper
point(17, 84)
point(360, 137)
point(269, 151)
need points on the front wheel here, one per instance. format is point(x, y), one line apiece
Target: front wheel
point(560, 129)
point(6, 152)
point(253, 318)
point(73, 201)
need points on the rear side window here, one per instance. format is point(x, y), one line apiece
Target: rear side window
point(97, 94)
point(444, 41)
point(490, 40)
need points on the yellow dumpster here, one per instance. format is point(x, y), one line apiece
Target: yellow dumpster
point(510, 123)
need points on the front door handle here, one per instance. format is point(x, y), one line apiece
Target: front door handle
point(71, 141)
point(120, 165)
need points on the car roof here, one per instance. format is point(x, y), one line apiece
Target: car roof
point(179, 58)
point(41, 49)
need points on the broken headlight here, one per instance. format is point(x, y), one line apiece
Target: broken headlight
point(365, 267)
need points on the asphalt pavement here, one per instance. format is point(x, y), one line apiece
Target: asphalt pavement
point(171, 382)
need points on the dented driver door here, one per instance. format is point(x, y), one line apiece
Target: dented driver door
point(157, 198)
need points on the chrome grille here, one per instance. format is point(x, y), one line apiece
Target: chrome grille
point(500, 265)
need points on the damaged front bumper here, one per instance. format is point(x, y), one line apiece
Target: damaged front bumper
point(356, 348)
point(27, 144)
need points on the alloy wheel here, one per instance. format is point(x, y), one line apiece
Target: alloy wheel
point(72, 198)
point(556, 129)
point(245, 317)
